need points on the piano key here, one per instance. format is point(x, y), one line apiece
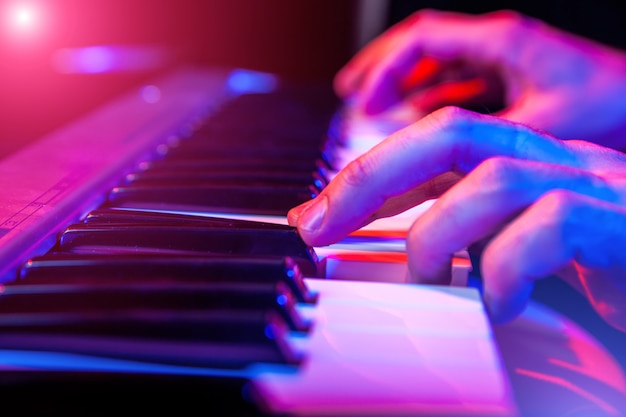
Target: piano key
point(292, 105)
point(244, 163)
point(318, 170)
point(158, 238)
point(344, 368)
point(217, 136)
point(335, 383)
point(269, 200)
point(198, 151)
point(216, 339)
point(223, 271)
point(131, 216)
point(85, 297)
point(206, 176)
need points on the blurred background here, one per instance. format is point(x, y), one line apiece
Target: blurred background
point(61, 58)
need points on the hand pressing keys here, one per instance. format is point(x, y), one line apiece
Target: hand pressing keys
point(547, 207)
point(568, 86)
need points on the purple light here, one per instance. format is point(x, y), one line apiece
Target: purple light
point(95, 59)
point(100, 59)
point(150, 94)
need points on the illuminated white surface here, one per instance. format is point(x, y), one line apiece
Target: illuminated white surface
point(385, 349)
point(375, 348)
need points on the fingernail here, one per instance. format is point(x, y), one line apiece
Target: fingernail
point(312, 217)
point(293, 216)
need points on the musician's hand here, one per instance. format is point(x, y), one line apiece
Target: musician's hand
point(552, 80)
point(544, 205)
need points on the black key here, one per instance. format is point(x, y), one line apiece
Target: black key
point(291, 106)
point(315, 169)
point(216, 339)
point(198, 151)
point(220, 271)
point(207, 177)
point(214, 135)
point(239, 164)
point(130, 217)
point(159, 295)
point(187, 239)
point(264, 200)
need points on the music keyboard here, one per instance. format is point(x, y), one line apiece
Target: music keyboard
point(84, 195)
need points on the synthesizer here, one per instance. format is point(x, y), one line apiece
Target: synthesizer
point(146, 264)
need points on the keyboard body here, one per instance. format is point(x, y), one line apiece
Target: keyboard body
point(373, 348)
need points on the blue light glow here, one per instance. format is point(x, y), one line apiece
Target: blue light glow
point(282, 299)
point(241, 81)
point(269, 331)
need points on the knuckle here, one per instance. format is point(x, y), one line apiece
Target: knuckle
point(454, 126)
point(512, 26)
point(508, 15)
point(426, 14)
point(358, 172)
point(521, 141)
point(559, 205)
point(448, 117)
point(500, 171)
point(513, 19)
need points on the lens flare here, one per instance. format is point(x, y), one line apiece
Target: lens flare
point(20, 20)
point(23, 16)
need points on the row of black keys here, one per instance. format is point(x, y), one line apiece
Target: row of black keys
point(182, 289)
point(262, 154)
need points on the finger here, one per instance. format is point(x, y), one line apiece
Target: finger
point(454, 93)
point(450, 139)
point(394, 205)
point(425, 70)
point(491, 39)
point(541, 111)
point(482, 203)
point(349, 78)
point(429, 190)
point(560, 228)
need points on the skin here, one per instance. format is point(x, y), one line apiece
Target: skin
point(551, 80)
point(540, 206)
point(544, 205)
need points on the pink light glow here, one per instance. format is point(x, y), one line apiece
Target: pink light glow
point(21, 19)
point(24, 16)
point(583, 393)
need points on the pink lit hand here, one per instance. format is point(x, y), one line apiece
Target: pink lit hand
point(546, 206)
point(554, 81)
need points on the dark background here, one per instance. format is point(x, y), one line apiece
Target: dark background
point(602, 20)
